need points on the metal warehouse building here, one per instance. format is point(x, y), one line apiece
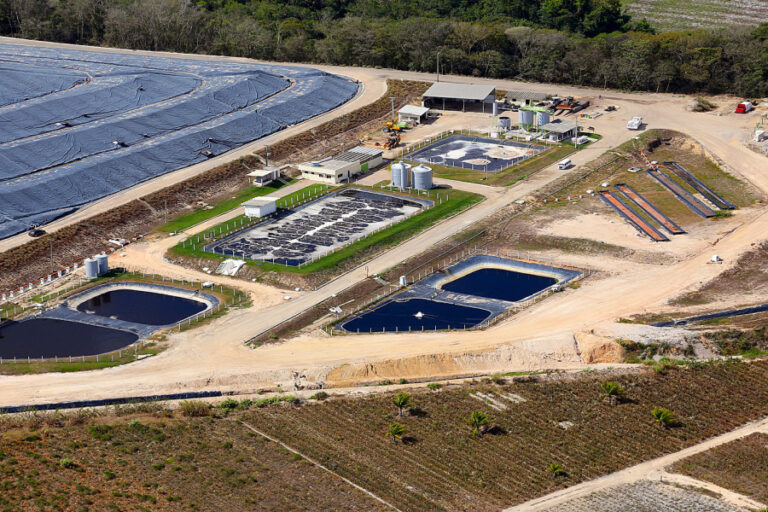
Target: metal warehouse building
point(464, 97)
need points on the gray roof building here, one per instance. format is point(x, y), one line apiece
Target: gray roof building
point(451, 91)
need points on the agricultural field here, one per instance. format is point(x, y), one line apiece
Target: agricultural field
point(646, 496)
point(669, 15)
point(442, 465)
point(158, 462)
point(740, 466)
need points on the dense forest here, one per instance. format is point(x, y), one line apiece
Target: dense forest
point(583, 42)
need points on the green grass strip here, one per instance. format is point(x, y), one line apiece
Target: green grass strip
point(186, 221)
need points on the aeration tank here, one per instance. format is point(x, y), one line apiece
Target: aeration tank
point(400, 175)
point(422, 177)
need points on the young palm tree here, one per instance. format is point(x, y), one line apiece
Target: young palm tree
point(664, 418)
point(556, 470)
point(477, 420)
point(396, 431)
point(402, 401)
point(612, 391)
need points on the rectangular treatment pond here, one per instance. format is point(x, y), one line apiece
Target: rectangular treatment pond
point(416, 315)
point(497, 283)
point(320, 227)
point(476, 153)
point(498, 279)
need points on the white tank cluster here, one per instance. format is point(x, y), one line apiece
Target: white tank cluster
point(419, 178)
point(96, 266)
point(401, 173)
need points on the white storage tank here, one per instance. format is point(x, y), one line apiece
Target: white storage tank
point(91, 268)
point(103, 262)
point(505, 122)
point(525, 117)
point(542, 118)
point(422, 177)
point(400, 175)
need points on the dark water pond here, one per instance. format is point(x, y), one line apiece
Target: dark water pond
point(47, 337)
point(142, 307)
point(401, 316)
point(495, 283)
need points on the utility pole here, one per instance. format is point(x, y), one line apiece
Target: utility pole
point(392, 101)
point(165, 207)
point(266, 157)
point(51, 240)
point(438, 66)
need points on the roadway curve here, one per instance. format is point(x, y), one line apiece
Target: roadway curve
point(213, 356)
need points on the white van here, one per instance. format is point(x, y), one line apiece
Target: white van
point(565, 164)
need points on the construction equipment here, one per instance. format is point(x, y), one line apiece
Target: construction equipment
point(393, 141)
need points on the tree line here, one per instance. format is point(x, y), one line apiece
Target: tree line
point(581, 42)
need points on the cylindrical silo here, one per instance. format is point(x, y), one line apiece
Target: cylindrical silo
point(542, 118)
point(400, 174)
point(103, 262)
point(505, 122)
point(495, 108)
point(91, 268)
point(422, 177)
point(525, 117)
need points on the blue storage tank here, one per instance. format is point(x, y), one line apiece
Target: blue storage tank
point(422, 177)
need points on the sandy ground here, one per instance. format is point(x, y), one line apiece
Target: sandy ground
point(612, 229)
point(213, 356)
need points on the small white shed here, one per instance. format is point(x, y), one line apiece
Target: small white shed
point(260, 206)
point(412, 114)
point(261, 177)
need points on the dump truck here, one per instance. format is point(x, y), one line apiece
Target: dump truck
point(743, 107)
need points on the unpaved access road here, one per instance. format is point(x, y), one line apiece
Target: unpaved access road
point(213, 356)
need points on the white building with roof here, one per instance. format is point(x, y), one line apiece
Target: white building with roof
point(261, 177)
point(464, 97)
point(342, 168)
point(412, 114)
point(558, 131)
point(260, 206)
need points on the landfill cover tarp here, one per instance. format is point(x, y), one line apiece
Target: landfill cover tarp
point(79, 125)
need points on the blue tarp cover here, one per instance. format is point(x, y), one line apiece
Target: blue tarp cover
point(78, 125)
